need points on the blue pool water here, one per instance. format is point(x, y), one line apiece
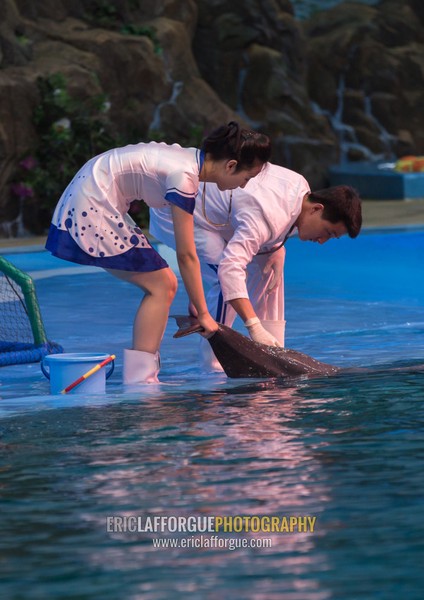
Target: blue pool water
point(347, 450)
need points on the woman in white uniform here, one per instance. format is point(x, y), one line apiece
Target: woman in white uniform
point(240, 238)
point(91, 224)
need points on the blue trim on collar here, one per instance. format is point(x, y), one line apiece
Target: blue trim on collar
point(201, 159)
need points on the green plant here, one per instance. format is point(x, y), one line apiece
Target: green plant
point(149, 32)
point(23, 40)
point(193, 139)
point(70, 131)
point(103, 13)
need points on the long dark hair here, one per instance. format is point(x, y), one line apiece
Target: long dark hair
point(232, 142)
point(341, 203)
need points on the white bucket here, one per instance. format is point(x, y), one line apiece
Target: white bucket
point(64, 369)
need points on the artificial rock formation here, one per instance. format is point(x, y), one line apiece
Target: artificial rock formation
point(366, 70)
point(348, 83)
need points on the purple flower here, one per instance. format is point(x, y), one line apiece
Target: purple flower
point(22, 190)
point(28, 163)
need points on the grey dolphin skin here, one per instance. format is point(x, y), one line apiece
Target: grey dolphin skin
point(242, 357)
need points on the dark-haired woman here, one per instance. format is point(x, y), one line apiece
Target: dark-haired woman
point(91, 224)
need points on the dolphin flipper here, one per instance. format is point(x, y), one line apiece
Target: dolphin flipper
point(187, 325)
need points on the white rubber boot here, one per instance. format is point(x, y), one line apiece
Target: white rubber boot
point(140, 367)
point(208, 361)
point(277, 329)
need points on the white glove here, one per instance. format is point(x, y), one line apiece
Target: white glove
point(259, 334)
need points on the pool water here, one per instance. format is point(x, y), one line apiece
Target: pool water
point(347, 449)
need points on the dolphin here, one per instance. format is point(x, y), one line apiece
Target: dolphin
point(242, 357)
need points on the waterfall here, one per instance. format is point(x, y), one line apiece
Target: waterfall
point(156, 123)
point(386, 138)
point(303, 9)
point(239, 108)
point(15, 228)
point(346, 133)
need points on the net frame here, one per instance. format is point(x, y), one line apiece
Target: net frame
point(15, 351)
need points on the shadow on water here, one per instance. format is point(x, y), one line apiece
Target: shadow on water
point(345, 449)
point(386, 376)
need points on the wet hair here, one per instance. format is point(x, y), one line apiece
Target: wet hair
point(341, 203)
point(231, 142)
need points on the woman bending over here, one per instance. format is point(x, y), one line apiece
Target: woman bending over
point(91, 224)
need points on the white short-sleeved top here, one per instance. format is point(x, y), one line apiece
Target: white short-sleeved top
point(262, 215)
point(93, 208)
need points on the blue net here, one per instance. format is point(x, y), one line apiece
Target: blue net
point(19, 352)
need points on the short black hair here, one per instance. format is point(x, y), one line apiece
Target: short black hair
point(341, 203)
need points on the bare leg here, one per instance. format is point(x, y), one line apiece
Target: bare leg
point(150, 321)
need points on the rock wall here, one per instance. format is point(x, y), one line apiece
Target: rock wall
point(347, 83)
point(366, 70)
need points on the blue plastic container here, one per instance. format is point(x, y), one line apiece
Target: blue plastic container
point(64, 369)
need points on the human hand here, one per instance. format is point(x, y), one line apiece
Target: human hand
point(259, 334)
point(275, 266)
point(208, 324)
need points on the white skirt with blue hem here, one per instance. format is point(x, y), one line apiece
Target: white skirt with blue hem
point(141, 257)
